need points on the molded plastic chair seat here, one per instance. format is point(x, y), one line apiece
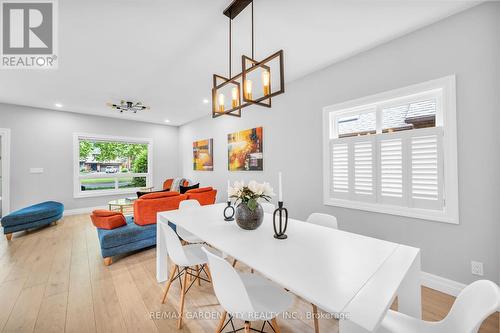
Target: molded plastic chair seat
point(183, 233)
point(473, 305)
point(187, 236)
point(266, 297)
point(324, 220)
point(400, 322)
point(247, 297)
point(195, 255)
point(189, 260)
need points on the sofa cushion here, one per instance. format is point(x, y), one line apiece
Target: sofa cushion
point(105, 213)
point(157, 195)
point(127, 234)
point(41, 211)
point(146, 210)
point(105, 219)
point(200, 190)
point(205, 195)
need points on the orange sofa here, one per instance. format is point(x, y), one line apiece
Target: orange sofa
point(204, 195)
point(148, 205)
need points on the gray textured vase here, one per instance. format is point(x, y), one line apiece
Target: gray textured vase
point(248, 219)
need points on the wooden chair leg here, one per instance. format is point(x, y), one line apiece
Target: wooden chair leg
point(275, 325)
point(183, 296)
point(221, 322)
point(235, 262)
point(315, 318)
point(208, 272)
point(247, 327)
point(108, 261)
point(8, 236)
point(198, 275)
point(169, 283)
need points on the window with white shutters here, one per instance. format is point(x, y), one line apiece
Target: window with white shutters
point(390, 155)
point(340, 169)
point(390, 150)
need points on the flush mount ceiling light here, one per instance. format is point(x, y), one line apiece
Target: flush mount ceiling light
point(258, 81)
point(128, 106)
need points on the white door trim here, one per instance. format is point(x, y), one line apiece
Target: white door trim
point(5, 134)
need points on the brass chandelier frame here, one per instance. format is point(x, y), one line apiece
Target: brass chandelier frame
point(248, 64)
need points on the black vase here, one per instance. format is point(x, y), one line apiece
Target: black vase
point(249, 219)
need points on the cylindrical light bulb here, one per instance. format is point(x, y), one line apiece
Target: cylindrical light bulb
point(221, 102)
point(234, 95)
point(265, 81)
point(248, 89)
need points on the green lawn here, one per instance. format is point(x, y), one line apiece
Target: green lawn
point(104, 180)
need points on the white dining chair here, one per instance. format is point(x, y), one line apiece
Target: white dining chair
point(185, 235)
point(189, 260)
point(473, 305)
point(268, 208)
point(324, 220)
point(328, 221)
point(247, 297)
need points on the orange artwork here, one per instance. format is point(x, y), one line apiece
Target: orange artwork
point(203, 155)
point(244, 150)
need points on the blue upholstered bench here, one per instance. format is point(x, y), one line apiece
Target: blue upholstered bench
point(32, 217)
point(124, 239)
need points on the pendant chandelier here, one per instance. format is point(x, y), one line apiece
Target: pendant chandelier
point(257, 82)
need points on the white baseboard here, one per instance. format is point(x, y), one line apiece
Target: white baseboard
point(85, 210)
point(443, 285)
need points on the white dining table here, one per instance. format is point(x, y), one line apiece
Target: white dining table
point(343, 273)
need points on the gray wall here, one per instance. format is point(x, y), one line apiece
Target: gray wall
point(467, 45)
point(44, 139)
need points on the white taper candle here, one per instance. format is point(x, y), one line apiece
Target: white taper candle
point(228, 186)
point(280, 193)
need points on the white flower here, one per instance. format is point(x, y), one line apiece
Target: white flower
point(253, 186)
point(232, 191)
point(235, 190)
point(268, 190)
point(239, 185)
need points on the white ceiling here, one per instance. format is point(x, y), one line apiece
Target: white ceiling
point(164, 52)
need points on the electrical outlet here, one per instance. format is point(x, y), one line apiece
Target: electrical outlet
point(477, 268)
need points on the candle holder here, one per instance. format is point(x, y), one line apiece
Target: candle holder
point(229, 212)
point(281, 216)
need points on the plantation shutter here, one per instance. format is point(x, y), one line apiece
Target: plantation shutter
point(340, 169)
point(402, 168)
point(391, 175)
point(364, 184)
point(426, 169)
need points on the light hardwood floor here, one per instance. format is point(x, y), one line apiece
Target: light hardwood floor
point(53, 280)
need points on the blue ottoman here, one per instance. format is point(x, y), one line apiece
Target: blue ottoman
point(32, 217)
point(125, 239)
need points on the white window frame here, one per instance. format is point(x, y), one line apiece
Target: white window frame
point(78, 193)
point(445, 118)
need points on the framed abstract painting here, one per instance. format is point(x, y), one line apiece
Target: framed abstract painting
point(245, 150)
point(203, 158)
